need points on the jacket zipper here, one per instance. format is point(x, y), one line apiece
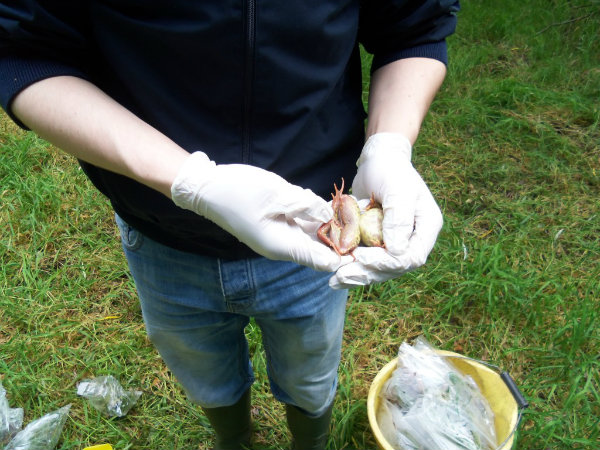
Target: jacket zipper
point(250, 41)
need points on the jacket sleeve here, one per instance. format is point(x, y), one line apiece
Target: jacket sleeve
point(396, 29)
point(39, 39)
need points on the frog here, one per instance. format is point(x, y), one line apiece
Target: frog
point(371, 224)
point(342, 232)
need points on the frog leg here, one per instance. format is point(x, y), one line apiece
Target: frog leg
point(323, 235)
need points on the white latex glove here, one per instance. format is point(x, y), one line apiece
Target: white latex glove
point(274, 218)
point(411, 217)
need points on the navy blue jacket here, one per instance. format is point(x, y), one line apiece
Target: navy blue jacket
point(272, 83)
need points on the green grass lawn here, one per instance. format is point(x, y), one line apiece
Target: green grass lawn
point(511, 150)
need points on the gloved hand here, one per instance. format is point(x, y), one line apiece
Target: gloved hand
point(411, 217)
point(274, 218)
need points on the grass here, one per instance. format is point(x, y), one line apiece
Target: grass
point(511, 150)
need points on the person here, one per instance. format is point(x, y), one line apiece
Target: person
point(217, 131)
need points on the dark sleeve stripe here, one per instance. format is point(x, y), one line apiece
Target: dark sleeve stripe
point(17, 73)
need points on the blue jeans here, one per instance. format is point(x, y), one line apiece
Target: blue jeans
point(195, 309)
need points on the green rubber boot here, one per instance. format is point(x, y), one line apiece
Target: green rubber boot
point(308, 433)
point(232, 424)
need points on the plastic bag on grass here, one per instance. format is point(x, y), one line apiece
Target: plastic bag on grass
point(107, 396)
point(11, 419)
point(41, 434)
point(430, 405)
point(12, 424)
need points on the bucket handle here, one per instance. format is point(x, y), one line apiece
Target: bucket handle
point(522, 402)
point(514, 390)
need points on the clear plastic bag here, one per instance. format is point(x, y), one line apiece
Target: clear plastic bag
point(11, 419)
point(41, 434)
point(107, 396)
point(428, 404)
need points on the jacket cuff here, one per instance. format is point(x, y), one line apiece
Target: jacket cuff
point(434, 50)
point(17, 73)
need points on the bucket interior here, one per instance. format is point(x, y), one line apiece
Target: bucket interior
point(493, 388)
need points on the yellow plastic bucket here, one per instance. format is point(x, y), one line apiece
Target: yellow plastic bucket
point(499, 390)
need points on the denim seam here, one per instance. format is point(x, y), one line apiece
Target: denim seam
point(219, 262)
point(243, 363)
point(251, 280)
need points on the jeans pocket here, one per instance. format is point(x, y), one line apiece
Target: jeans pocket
point(131, 238)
